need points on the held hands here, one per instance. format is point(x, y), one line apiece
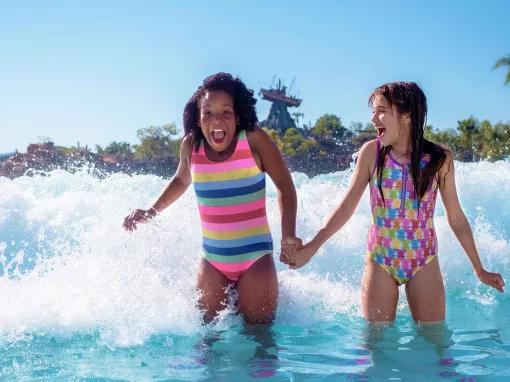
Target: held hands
point(491, 279)
point(295, 254)
point(138, 216)
point(289, 247)
point(302, 256)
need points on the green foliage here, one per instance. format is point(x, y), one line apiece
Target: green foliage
point(501, 63)
point(297, 117)
point(295, 144)
point(329, 126)
point(66, 150)
point(156, 142)
point(327, 138)
point(474, 140)
point(120, 149)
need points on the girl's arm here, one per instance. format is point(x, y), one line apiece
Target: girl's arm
point(460, 225)
point(362, 172)
point(271, 161)
point(177, 186)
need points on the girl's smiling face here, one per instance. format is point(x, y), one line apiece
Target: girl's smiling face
point(217, 119)
point(387, 121)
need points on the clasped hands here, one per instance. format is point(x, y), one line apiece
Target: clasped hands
point(294, 253)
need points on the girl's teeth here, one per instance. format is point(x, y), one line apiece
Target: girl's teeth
point(218, 134)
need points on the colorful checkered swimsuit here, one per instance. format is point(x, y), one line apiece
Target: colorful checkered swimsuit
point(231, 199)
point(401, 239)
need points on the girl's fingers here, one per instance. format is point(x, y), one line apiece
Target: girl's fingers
point(497, 283)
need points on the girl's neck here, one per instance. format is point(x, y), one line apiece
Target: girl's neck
point(220, 156)
point(402, 147)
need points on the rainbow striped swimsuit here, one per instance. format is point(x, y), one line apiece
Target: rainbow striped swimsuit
point(231, 199)
point(401, 239)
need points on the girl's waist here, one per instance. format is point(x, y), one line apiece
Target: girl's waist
point(401, 234)
point(238, 246)
point(402, 222)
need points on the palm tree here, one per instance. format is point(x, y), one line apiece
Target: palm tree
point(502, 62)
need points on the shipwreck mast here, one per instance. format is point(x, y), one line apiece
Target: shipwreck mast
point(279, 118)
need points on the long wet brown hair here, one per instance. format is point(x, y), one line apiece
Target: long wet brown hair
point(409, 98)
point(244, 105)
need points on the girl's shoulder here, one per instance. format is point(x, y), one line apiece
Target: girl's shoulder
point(369, 151)
point(372, 144)
point(186, 149)
point(256, 133)
point(258, 138)
point(441, 157)
point(448, 162)
point(366, 157)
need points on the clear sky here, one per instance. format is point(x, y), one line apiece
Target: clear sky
point(97, 71)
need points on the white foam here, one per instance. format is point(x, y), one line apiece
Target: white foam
point(66, 264)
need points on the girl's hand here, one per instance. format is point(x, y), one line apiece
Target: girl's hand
point(289, 245)
point(492, 279)
point(138, 216)
point(303, 256)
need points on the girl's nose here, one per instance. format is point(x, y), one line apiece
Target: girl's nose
point(217, 117)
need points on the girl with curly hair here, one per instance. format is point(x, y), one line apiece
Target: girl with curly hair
point(225, 155)
point(404, 171)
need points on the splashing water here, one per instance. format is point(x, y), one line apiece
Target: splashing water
point(81, 298)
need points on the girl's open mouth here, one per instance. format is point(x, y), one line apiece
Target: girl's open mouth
point(218, 136)
point(380, 131)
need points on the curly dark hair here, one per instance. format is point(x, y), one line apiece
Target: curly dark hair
point(244, 105)
point(409, 98)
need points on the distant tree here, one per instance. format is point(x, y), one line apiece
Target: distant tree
point(120, 149)
point(363, 133)
point(448, 138)
point(468, 130)
point(501, 141)
point(329, 131)
point(327, 126)
point(297, 116)
point(504, 62)
point(356, 126)
point(474, 140)
point(156, 142)
point(294, 144)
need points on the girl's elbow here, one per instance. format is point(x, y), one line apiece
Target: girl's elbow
point(286, 190)
point(457, 221)
point(182, 181)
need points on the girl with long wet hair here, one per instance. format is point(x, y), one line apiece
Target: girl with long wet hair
point(404, 172)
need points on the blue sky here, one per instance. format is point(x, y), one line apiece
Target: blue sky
point(97, 71)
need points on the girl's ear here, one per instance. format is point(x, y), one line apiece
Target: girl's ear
point(405, 118)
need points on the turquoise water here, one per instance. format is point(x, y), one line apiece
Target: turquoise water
point(82, 300)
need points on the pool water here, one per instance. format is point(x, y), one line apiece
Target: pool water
point(82, 300)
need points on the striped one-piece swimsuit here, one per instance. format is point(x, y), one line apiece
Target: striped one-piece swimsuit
point(401, 239)
point(231, 199)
